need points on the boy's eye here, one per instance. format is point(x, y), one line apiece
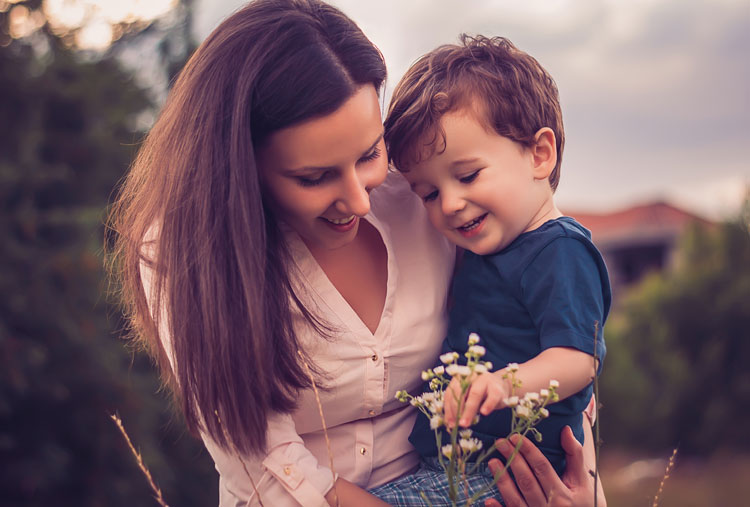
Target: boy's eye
point(469, 177)
point(431, 196)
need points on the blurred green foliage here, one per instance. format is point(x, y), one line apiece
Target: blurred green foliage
point(67, 135)
point(678, 363)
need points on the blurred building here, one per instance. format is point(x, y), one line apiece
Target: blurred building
point(637, 240)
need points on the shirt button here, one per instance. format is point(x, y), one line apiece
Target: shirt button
point(371, 412)
point(374, 357)
point(287, 470)
point(363, 451)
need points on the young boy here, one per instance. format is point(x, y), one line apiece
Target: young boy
point(477, 130)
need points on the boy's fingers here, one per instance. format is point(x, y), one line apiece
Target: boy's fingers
point(491, 402)
point(474, 398)
point(450, 402)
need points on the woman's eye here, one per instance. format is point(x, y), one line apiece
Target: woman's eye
point(375, 153)
point(469, 177)
point(307, 181)
point(431, 196)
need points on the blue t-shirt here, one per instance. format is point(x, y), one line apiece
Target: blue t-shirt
point(546, 289)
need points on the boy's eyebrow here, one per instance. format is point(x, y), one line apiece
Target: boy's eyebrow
point(463, 161)
point(330, 167)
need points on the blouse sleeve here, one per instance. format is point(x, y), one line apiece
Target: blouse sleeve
point(287, 475)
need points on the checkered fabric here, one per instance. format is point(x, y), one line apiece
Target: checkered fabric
point(430, 479)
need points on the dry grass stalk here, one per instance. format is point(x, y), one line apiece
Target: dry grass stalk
point(597, 442)
point(667, 472)
point(157, 492)
point(323, 422)
point(239, 457)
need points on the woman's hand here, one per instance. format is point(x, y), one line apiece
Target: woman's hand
point(538, 484)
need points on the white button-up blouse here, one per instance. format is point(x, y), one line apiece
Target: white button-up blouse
point(367, 427)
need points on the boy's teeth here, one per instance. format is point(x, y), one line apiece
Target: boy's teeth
point(471, 224)
point(340, 221)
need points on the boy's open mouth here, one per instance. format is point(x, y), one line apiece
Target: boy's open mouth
point(472, 224)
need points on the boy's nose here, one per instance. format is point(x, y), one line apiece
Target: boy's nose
point(451, 203)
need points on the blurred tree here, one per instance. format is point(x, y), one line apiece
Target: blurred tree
point(678, 351)
point(67, 134)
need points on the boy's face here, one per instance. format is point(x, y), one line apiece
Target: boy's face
point(485, 190)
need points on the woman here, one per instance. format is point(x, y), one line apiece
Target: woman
point(257, 210)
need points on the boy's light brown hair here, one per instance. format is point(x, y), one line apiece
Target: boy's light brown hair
point(509, 90)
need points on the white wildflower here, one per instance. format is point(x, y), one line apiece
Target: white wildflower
point(464, 371)
point(511, 402)
point(554, 384)
point(429, 396)
point(452, 369)
point(532, 396)
point(480, 368)
point(435, 422)
point(544, 412)
point(523, 412)
point(447, 358)
point(477, 350)
point(438, 370)
point(465, 433)
point(470, 444)
point(488, 365)
point(512, 367)
point(544, 393)
point(473, 339)
point(417, 401)
point(447, 450)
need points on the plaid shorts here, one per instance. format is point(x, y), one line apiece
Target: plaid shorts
point(430, 479)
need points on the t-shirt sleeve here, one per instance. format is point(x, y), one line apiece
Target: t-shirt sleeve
point(288, 474)
point(563, 291)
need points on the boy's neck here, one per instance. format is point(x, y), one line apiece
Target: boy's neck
point(547, 211)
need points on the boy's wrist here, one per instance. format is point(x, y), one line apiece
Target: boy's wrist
point(504, 379)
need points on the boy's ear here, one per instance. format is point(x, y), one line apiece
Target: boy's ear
point(544, 153)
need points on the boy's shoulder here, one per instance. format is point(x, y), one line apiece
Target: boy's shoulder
point(560, 233)
point(526, 246)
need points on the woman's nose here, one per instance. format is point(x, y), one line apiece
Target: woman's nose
point(354, 198)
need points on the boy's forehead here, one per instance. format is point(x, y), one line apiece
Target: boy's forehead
point(433, 140)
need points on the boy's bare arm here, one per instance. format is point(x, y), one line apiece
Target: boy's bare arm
point(572, 368)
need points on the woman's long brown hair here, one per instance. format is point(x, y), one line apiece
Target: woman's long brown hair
point(219, 263)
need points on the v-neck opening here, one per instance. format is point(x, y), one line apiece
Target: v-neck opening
point(318, 282)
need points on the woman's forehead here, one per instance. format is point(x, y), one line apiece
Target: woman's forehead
point(329, 140)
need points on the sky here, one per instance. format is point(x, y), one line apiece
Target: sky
point(655, 93)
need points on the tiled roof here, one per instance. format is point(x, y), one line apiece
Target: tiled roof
point(643, 223)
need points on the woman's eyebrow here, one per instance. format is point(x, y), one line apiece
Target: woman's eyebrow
point(373, 145)
point(310, 169)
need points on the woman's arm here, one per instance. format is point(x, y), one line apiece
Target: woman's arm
point(538, 485)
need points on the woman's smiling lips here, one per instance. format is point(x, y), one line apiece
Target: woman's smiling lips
point(341, 224)
point(472, 227)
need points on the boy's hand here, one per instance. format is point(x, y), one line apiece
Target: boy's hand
point(486, 393)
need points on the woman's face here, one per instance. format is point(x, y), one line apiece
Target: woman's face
point(319, 172)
